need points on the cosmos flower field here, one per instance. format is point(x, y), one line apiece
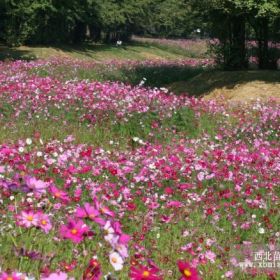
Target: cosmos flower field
point(105, 179)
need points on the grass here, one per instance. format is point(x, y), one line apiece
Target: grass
point(182, 121)
point(156, 76)
point(97, 52)
point(194, 48)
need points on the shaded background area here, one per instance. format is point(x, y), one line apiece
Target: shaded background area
point(237, 85)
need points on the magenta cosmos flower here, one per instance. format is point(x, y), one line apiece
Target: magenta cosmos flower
point(188, 272)
point(74, 230)
point(144, 273)
point(93, 271)
point(88, 211)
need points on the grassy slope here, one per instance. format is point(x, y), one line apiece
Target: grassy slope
point(196, 82)
point(134, 51)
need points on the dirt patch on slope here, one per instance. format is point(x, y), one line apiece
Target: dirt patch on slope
point(247, 92)
point(232, 86)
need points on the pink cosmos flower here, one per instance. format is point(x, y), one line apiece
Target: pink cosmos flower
point(123, 238)
point(103, 209)
point(229, 274)
point(88, 211)
point(12, 276)
point(119, 247)
point(174, 204)
point(37, 186)
point(28, 219)
point(144, 273)
point(74, 230)
point(211, 256)
point(188, 273)
point(122, 250)
point(2, 169)
point(57, 276)
point(59, 194)
point(200, 176)
point(44, 222)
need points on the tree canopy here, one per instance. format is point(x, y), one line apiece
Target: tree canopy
point(232, 22)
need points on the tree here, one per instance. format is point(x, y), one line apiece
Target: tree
point(229, 20)
point(262, 15)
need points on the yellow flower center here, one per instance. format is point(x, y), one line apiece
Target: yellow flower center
point(57, 194)
point(114, 260)
point(92, 216)
point(187, 273)
point(74, 231)
point(30, 219)
point(146, 273)
point(43, 222)
point(10, 278)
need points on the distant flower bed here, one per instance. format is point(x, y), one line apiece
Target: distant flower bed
point(196, 47)
point(29, 94)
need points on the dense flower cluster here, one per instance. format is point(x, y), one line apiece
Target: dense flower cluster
point(71, 64)
point(45, 97)
point(154, 211)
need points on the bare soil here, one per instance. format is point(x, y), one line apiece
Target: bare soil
point(232, 86)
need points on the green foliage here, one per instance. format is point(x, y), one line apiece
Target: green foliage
point(171, 18)
point(69, 21)
point(232, 20)
point(74, 21)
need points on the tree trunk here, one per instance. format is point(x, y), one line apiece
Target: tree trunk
point(95, 33)
point(79, 32)
point(237, 59)
point(263, 50)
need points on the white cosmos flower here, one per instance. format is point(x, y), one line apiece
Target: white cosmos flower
point(109, 231)
point(116, 261)
point(28, 141)
point(39, 154)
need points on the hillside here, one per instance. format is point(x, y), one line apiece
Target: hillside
point(234, 86)
point(98, 52)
